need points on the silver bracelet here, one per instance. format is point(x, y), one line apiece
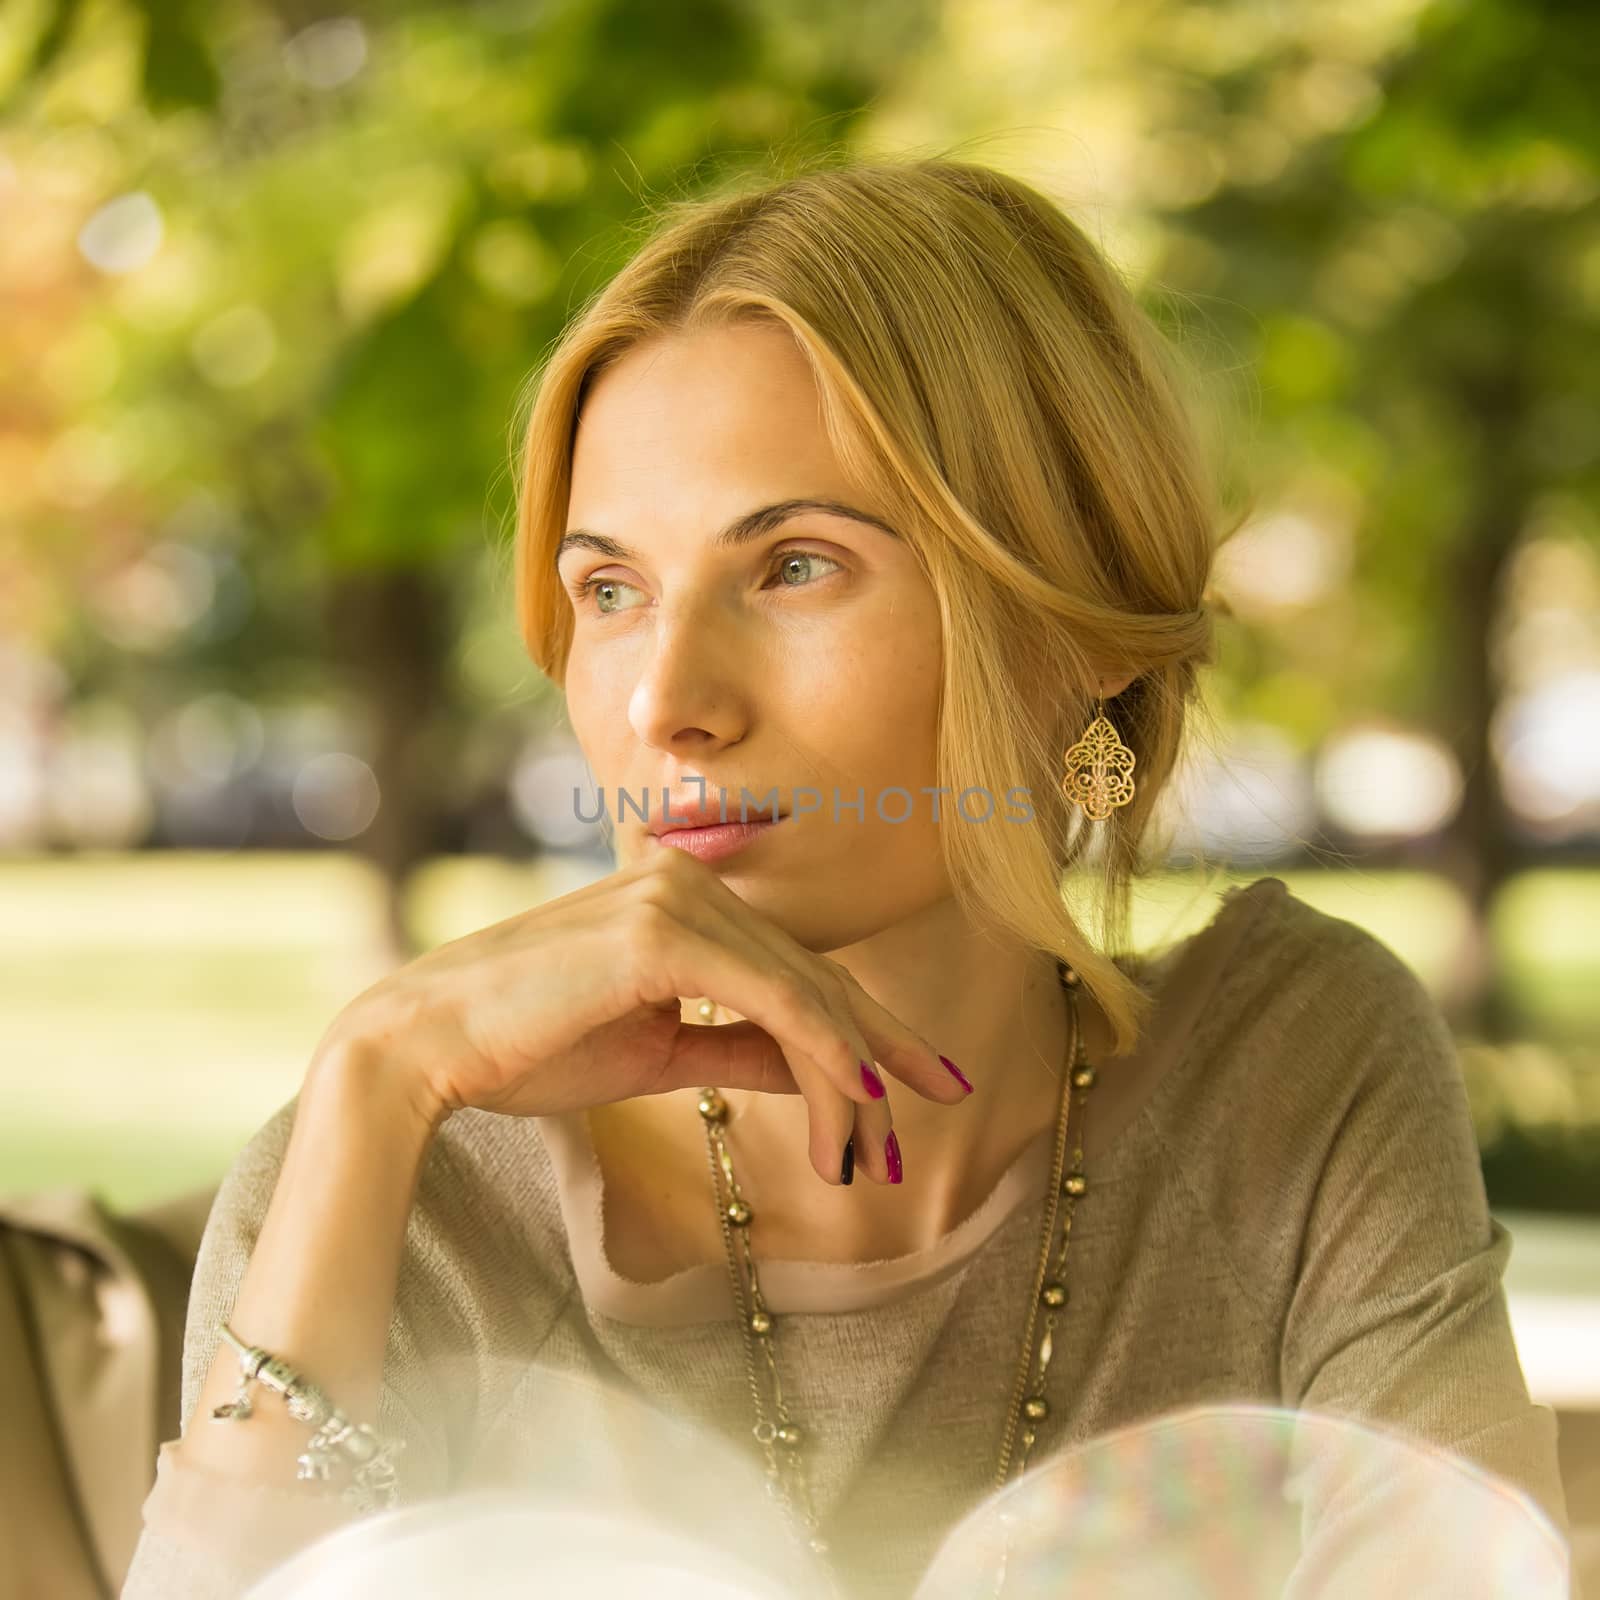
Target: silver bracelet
point(337, 1440)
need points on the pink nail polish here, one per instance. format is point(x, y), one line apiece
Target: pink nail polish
point(955, 1072)
point(891, 1154)
point(873, 1082)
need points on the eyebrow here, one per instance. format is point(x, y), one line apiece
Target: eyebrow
point(742, 530)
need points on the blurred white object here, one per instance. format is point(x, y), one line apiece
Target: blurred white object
point(1553, 1292)
point(1225, 1502)
point(493, 1543)
point(1247, 1502)
point(625, 1500)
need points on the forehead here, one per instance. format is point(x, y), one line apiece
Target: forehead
point(737, 400)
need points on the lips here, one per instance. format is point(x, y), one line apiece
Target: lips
point(685, 812)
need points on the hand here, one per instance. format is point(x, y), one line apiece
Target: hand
point(577, 1003)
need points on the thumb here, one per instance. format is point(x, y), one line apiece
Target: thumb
point(728, 1055)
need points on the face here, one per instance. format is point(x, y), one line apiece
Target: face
point(804, 654)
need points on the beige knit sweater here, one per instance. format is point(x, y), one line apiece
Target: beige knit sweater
point(1291, 1214)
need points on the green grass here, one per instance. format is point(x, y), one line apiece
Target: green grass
point(156, 1009)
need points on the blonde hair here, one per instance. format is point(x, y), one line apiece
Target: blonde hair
point(991, 378)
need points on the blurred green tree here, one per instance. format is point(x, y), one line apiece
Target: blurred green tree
point(372, 228)
point(1388, 217)
point(1437, 255)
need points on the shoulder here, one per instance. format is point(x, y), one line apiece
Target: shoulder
point(1310, 993)
point(1320, 1059)
point(1275, 988)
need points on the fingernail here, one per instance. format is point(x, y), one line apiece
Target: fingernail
point(955, 1072)
point(847, 1171)
point(873, 1082)
point(891, 1154)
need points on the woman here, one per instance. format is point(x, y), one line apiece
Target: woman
point(855, 494)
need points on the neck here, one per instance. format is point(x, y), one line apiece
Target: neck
point(1000, 1013)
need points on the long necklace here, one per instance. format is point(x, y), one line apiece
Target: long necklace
point(781, 1439)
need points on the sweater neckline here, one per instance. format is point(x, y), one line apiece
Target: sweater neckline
point(1181, 979)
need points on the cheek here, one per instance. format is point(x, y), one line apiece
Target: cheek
point(896, 696)
point(880, 706)
point(597, 708)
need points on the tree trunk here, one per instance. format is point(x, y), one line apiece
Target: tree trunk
point(1481, 849)
point(389, 633)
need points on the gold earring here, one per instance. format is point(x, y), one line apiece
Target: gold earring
point(1098, 768)
point(708, 1010)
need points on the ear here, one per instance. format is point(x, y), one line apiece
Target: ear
point(1110, 688)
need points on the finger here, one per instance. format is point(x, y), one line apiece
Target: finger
point(711, 905)
point(884, 1039)
point(839, 990)
point(689, 916)
point(873, 1118)
point(729, 1055)
point(787, 1004)
point(869, 1134)
point(899, 1050)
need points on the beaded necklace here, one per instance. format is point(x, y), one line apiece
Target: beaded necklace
point(781, 1439)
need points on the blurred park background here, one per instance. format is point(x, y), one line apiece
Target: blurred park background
point(274, 278)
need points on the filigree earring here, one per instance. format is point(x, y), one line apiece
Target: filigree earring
point(1098, 768)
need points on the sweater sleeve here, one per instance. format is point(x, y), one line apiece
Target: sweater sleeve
point(210, 1536)
point(1398, 1313)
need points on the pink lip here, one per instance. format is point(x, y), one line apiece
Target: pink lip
point(713, 843)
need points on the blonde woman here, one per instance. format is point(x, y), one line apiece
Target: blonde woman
point(867, 499)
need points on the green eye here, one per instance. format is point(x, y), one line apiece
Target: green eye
point(785, 562)
point(786, 557)
point(595, 586)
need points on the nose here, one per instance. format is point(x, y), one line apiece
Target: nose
point(691, 695)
